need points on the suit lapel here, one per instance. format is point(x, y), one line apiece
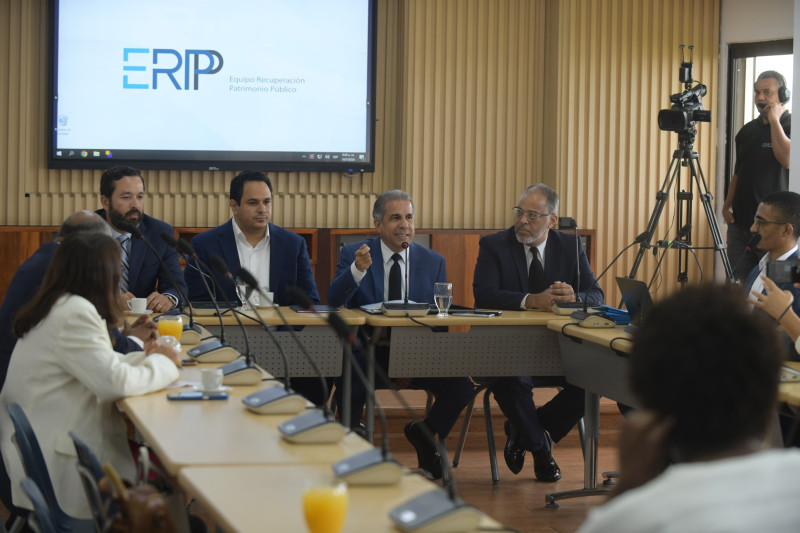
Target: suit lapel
point(376, 269)
point(138, 251)
point(551, 252)
point(227, 248)
point(275, 259)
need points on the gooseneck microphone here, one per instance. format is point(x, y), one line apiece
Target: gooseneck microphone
point(405, 309)
point(213, 351)
point(596, 320)
point(752, 242)
point(375, 466)
point(240, 371)
point(318, 425)
point(192, 332)
point(566, 308)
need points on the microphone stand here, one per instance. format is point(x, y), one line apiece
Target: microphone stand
point(375, 466)
point(318, 426)
point(213, 351)
point(192, 332)
point(405, 309)
point(435, 510)
point(240, 371)
point(597, 320)
point(275, 400)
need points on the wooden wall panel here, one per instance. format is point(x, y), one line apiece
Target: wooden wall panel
point(617, 64)
point(476, 99)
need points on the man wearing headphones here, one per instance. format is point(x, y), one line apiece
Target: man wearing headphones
point(762, 166)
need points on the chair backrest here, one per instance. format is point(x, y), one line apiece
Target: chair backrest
point(32, 458)
point(41, 510)
point(90, 471)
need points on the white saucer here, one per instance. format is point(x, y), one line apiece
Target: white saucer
point(266, 306)
point(199, 388)
point(145, 312)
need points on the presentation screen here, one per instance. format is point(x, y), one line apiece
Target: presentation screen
point(283, 85)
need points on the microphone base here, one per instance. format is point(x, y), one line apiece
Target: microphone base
point(435, 512)
point(403, 309)
point(191, 334)
point(597, 321)
point(369, 468)
point(240, 372)
point(313, 427)
point(275, 400)
point(213, 352)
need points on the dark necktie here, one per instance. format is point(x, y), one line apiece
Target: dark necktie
point(536, 282)
point(395, 279)
point(123, 282)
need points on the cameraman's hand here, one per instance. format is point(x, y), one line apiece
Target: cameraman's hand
point(774, 112)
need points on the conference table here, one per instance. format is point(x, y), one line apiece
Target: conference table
point(503, 345)
point(311, 329)
point(236, 463)
point(594, 359)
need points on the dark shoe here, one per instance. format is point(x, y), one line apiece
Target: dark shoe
point(361, 431)
point(544, 466)
point(427, 455)
point(513, 453)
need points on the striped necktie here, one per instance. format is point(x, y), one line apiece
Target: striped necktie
point(123, 242)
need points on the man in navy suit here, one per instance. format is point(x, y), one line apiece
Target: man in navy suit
point(373, 271)
point(531, 266)
point(122, 196)
point(777, 220)
point(276, 257)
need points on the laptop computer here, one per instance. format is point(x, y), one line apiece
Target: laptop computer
point(637, 300)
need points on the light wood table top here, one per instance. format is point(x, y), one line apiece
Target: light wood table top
point(508, 318)
point(269, 497)
point(789, 391)
point(616, 338)
point(223, 432)
point(270, 317)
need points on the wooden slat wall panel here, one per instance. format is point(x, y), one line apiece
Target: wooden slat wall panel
point(475, 100)
point(471, 139)
point(617, 65)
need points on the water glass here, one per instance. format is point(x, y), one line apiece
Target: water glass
point(443, 296)
point(243, 290)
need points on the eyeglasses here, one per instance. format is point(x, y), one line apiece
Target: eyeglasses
point(532, 215)
point(758, 221)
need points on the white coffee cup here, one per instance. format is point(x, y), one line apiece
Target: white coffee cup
point(137, 305)
point(211, 378)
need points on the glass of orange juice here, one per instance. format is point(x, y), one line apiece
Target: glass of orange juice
point(325, 508)
point(170, 325)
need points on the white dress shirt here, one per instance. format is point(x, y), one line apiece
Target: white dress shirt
point(254, 258)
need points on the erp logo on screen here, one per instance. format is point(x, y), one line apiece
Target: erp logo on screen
point(166, 62)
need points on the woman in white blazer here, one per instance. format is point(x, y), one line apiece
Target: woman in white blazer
point(66, 375)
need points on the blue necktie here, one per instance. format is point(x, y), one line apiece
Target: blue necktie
point(123, 282)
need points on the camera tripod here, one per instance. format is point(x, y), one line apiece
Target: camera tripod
point(684, 156)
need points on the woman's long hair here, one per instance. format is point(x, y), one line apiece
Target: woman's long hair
point(85, 264)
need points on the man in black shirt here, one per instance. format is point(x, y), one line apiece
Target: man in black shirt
point(762, 166)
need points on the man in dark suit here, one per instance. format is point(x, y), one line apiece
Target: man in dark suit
point(122, 196)
point(777, 220)
point(276, 257)
point(372, 271)
point(531, 266)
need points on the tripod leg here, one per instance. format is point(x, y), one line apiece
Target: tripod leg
point(706, 198)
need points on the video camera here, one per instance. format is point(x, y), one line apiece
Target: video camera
point(687, 107)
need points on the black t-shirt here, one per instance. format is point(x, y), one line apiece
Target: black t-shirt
point(759, 173)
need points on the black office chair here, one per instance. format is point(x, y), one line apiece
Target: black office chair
point(42, 513)
point(36, 469)
point(90, 471)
